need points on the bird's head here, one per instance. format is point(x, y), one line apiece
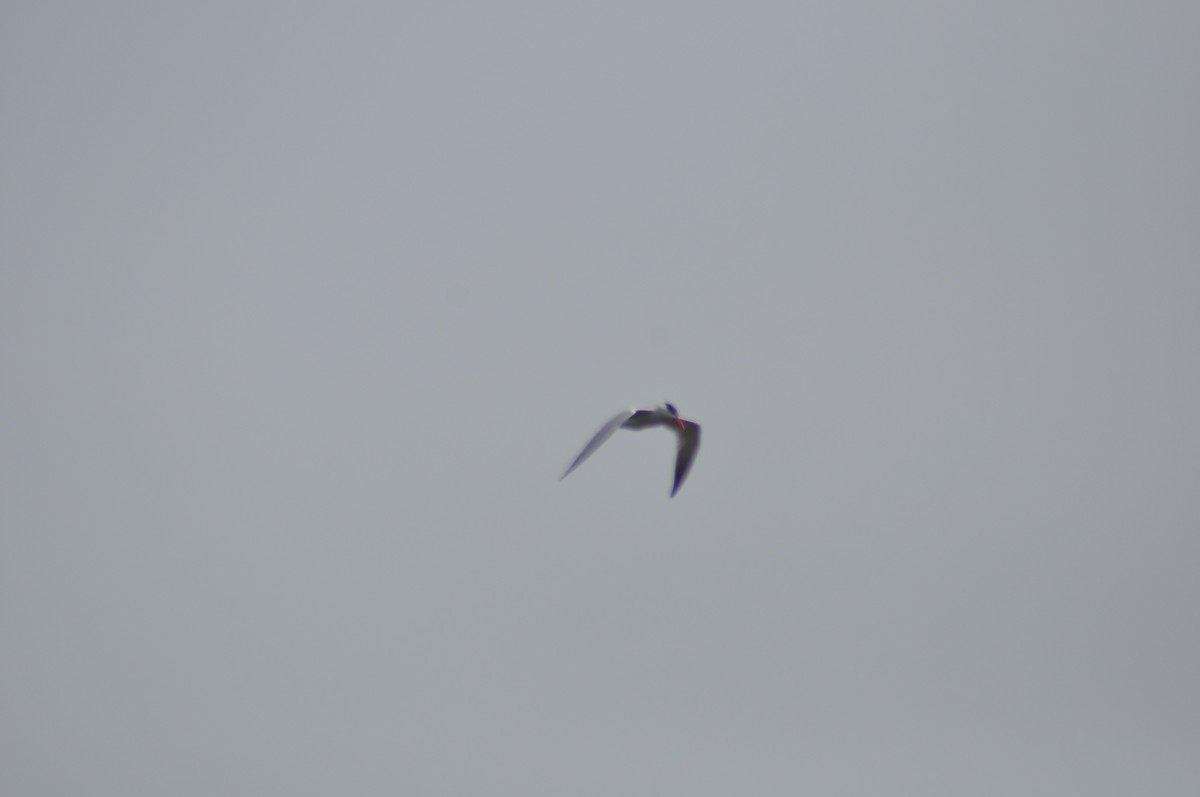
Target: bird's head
point(674, 414)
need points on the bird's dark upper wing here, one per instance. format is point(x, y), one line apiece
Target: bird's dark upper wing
point(689, 444)
point(640, 419)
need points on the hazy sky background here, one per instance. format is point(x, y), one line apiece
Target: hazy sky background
point(305, 307)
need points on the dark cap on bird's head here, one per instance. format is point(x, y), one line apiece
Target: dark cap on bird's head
point(671, 408)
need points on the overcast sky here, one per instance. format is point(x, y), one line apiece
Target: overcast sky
point(305, 307)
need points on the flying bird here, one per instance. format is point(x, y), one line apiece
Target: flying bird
point(686, 432)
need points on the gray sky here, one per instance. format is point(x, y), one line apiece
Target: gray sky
point(304, 308)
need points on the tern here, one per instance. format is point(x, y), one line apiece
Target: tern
point(687, 432)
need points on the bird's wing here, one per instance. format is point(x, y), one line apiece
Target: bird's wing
point(640, 419)
point(605, 432)
point(689, 444)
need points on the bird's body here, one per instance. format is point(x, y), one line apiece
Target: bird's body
point(637, 418)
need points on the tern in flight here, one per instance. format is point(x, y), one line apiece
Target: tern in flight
point(687, 432)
